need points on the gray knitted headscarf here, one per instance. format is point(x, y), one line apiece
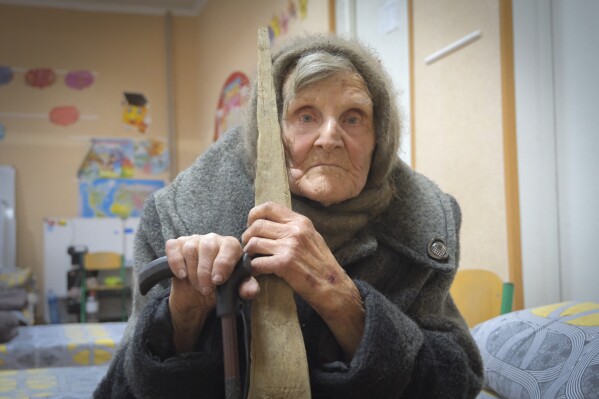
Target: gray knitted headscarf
point(338, 223)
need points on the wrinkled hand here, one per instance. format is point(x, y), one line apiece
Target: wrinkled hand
point(292, 249)
point(296, 251)
point(200, 263)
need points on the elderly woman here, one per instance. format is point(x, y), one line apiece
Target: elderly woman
point(370, 248)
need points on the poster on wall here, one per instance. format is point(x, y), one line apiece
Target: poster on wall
point(115, 197)
point(230, 104)
point(108, 158)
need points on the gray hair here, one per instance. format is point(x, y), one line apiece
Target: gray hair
point(312, 68)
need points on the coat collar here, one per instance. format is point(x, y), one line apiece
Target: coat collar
point(421, 224)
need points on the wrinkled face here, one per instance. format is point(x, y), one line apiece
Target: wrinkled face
point(329, 137)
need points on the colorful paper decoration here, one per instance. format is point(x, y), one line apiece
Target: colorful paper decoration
point(233, 97)
point(40, 77)
point(280, 22)
point(303, 6)
point(291, 9)
point(136, 111)
point(43, 77)
point(6, 75)
point(64, 115)
point(79, 79)
point(151, 156)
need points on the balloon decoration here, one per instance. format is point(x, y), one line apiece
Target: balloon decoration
point(40, 77)
point(79, 79)
point(6, 74)
point(64, 115)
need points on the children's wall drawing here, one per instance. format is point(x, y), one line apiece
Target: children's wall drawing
point(136, 111)
point(106, 184)
point(233, 96)
point(115, 197)
point(108, 158)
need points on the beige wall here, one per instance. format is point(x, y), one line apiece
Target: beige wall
point(458, 127)
point(186, 90)
point(129, 53)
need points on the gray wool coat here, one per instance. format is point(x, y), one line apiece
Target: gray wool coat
point(415, 343)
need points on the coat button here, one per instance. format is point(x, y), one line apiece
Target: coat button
point(437, 249)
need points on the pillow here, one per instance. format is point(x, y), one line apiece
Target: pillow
point(15, 277)
point(546, 352)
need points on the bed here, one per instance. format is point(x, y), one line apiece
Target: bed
point(57, 360)
point(55, 382)
point(61, 345)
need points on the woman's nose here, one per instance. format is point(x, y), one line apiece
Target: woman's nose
point(329, 136)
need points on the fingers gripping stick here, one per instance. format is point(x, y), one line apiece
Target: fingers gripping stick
point(227, 299)
point(227, 307)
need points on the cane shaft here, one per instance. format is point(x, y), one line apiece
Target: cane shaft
point(231, 357)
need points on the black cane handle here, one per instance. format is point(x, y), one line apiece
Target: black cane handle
point(153, 273)
point(227, 300)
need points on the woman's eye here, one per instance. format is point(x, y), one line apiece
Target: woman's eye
point(305, 118)
point(352, 119)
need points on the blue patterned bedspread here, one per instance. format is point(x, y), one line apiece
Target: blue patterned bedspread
point(61, 345)
point(57, 382)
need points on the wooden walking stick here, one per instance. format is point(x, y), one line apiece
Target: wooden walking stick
point(279, 366)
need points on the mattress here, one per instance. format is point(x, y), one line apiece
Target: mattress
point(55, 382)
point(61, 345)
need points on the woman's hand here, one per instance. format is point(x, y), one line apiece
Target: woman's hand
point(291, 248)
point(200, 263)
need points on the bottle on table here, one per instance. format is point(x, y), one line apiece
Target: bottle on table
point(91, 308)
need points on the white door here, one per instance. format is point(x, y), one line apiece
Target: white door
point(383, 25)
point(576, 65)
point(557, 100)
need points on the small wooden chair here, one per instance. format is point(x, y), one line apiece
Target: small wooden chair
point(481, 295)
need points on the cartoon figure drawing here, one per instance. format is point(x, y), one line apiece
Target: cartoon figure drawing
point(136, 111)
